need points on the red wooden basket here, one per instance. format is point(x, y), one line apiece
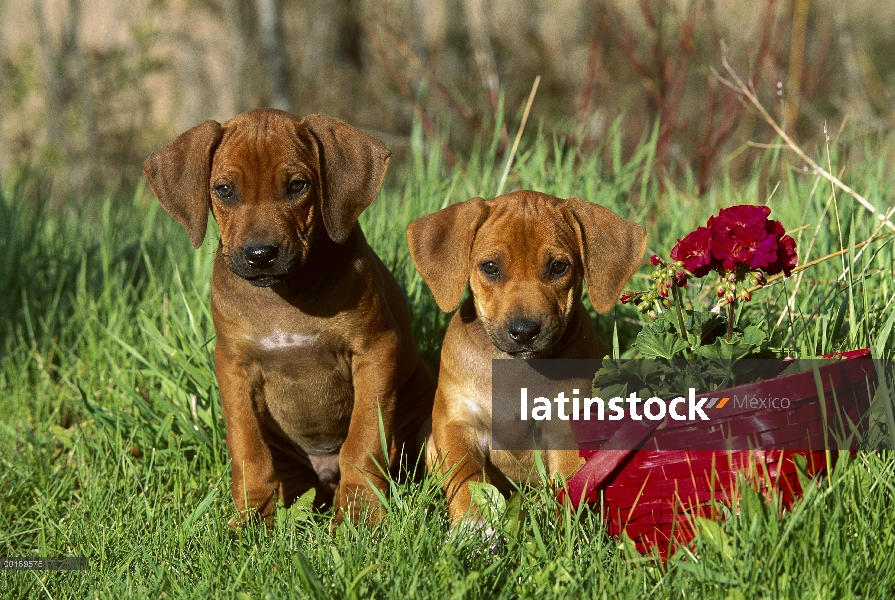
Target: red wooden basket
point(654, 495)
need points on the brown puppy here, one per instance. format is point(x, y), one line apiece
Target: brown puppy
point(524, 255)
point(313, 332)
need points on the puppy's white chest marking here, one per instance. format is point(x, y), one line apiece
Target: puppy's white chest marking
point(279, 340)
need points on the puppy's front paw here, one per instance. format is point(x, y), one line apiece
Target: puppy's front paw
point(357, 503)
point(250, 516)
point(479, 533)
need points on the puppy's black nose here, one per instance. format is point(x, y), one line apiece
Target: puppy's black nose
point(260, 256)
point(523, 331)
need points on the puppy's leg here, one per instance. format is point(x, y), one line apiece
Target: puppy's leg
point(255, 485)
point(562, 464)
point(461, 458)
point(361, 460)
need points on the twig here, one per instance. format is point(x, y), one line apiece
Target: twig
point(506, 171)
point(824, 258)
point(593, 61)
point(405, 90)
point(740, 86)
point(413, 60)
point(790, 304)
point(775, 278)
point(833, 191)
point(483, 53)
point(858, 255)
point(796, 62)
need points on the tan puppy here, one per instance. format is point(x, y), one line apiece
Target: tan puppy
point(313, 332)
point(524, 256)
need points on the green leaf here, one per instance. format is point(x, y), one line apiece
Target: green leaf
point(489, 500)
point(852, 310)
point(615, 348)
point(883, 336)
point(714, 537)
point(741, 345)
point(306, 500)
point(840, 319)
point(754, 335)
point(613, 390)
point(704, 325)
point(704, 573)
point(310, 581)
point(352, 589)
point(513, 514)
point(752, 504)
point(734, 594)
point(719, 350)
point(654, 344)
point(200, 510)
point(64, 436)
point(615, 379)
point(627, 546)
point(802, 472)
point(301, 511)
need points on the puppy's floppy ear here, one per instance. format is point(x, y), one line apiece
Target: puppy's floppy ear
point(179, 174)
point(611, 249)
point(440, 245)
point(351, 166)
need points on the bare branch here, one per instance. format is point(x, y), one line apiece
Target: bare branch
point(740, 86)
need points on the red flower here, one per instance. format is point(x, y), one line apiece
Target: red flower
point(739, 243)
point(695, 252)
point(786, 257)
point(743, 235)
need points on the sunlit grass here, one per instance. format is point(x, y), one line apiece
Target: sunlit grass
point(112, 441)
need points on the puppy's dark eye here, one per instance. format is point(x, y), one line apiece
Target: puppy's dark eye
point(225, 192)
point(490, 269)
point(557, 269)
point(297, 187)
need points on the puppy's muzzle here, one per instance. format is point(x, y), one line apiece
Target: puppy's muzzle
point(524, 331)
point(262, 264)
point(260, 257)
point(524, 337)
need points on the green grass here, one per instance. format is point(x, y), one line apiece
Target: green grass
point(112, 442)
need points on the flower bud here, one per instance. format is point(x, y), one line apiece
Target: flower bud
point(655, 260)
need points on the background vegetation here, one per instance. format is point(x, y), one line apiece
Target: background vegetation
point(90, 87)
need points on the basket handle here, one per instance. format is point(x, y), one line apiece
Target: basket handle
point(603, 462)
